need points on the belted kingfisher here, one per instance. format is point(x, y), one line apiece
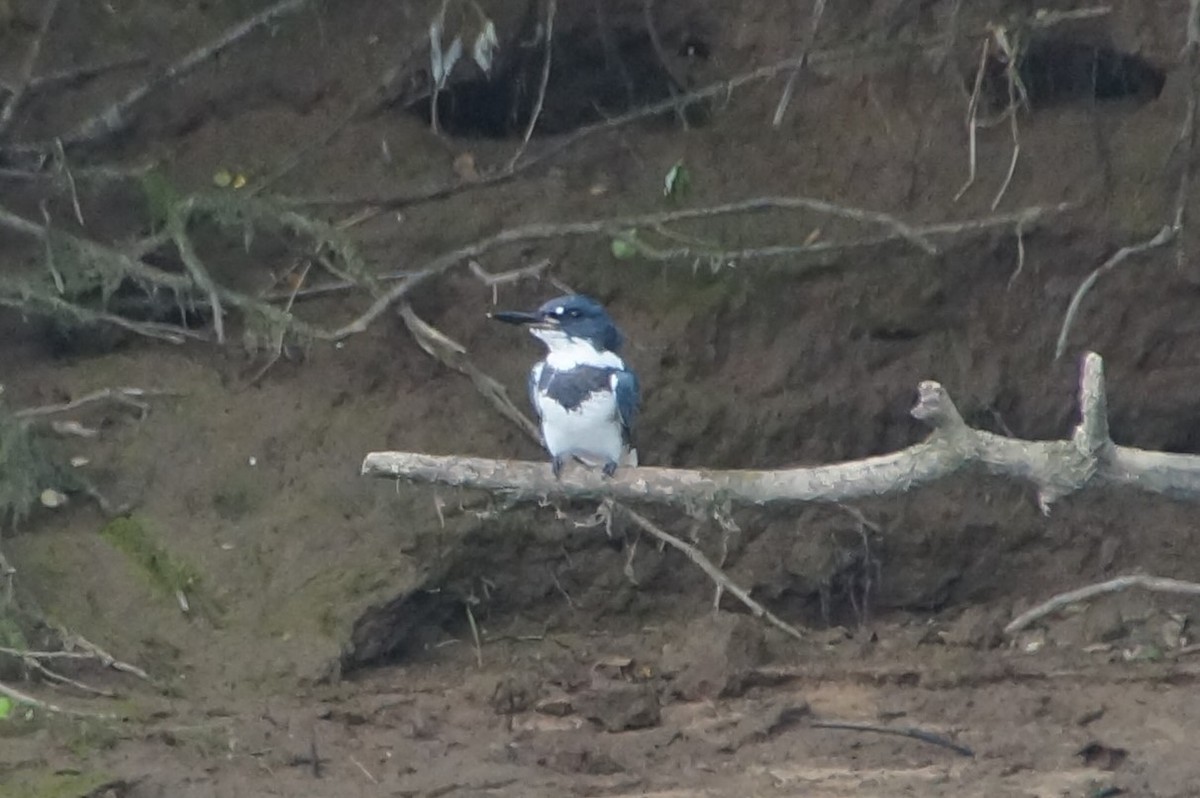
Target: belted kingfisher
point(584, 394)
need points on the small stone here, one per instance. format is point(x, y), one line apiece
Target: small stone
point(1172, 631)
point(621, 706)
point(1102, 623)
point(52, 498)
point(558, 705)
point(718, 656)
point(975, 628)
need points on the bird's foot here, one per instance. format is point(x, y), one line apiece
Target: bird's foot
point(610, 468)
point(556, 466)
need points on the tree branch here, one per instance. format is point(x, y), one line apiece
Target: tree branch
point(9, 110)
point(117, 116)
point(613, 226)
point(1120, 584)
point(1056, 468)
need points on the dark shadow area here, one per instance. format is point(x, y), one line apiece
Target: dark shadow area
point(1059, 72)
point(592, 77)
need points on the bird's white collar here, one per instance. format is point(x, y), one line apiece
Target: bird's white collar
point(567, 352)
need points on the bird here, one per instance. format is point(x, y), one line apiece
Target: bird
point(585, 396)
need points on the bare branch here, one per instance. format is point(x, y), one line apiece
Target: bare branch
point(119, 115)
point(910, 732)
point(130, 397)
point(1162, 237)
point(714, 573)
point(494, 281)
point(78, 74)
point(177, 226)
point(551, 10)
point(801, 61)
point(612, 226)
point(162, 332)
point(1057, 468)
point(452, 354)
point(24, 698)
point(1156, 584)
point(9, 109)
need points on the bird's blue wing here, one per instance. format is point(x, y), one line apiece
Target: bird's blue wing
point(625, 386)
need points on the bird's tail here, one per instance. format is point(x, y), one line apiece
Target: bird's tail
point(629, 458)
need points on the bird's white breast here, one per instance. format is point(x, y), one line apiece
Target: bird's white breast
point(592, 428)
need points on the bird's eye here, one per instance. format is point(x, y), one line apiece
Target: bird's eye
point(558, 311)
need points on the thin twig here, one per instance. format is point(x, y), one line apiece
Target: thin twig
point(1017, 98)
point(25, 698)
point(474, 634)
point(282, 333)
point(162, 332)
point(551, 10)
point(1020, 233)
point(1014, 129)
point(452, 354)
point(1157, 584)
point(55, 676)
point(786, 98)
point(615, 226)
point(713, 572)
point(119, 115)
point(183, 284)
point(612, 226)
point(973, 118)
point(899, 731)
point(9, 110)
point(77, 74)
point(131, 397)
point(65, 168)
point(1164, 236)
point(364, 770)
point(494, 281)
point(660, 52)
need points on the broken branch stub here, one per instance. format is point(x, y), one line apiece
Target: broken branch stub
point(1056, 468)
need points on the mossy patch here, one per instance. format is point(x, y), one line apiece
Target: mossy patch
point(165, 572)
point(11, 634)
point(56, 784)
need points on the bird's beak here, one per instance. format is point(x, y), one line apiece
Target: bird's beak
point(521, 317)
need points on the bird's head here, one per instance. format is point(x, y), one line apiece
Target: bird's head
point(575, 317)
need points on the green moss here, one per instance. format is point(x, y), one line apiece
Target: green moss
point(11, 635)
point(56, 784)
point(130, 536)
point(165, 572)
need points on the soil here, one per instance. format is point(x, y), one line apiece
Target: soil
point(343, 637)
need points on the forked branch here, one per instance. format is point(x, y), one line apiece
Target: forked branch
point(1057, 468)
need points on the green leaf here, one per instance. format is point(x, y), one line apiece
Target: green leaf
point(160, 197)
point(677, 181)
point(623, 247)
point(6, 706)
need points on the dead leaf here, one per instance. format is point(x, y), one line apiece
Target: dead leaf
point(464, 167)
